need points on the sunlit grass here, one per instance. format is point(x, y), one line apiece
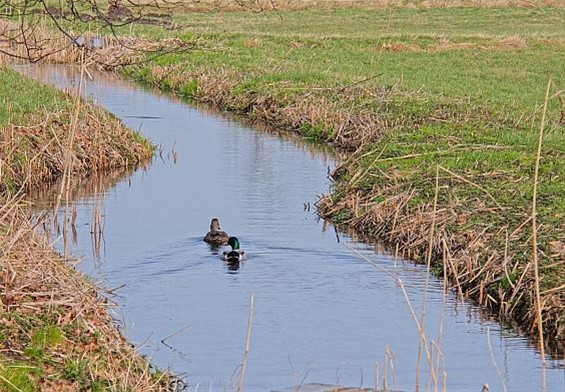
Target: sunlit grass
point(21, 96)
point(462, 89)
point(498, 56)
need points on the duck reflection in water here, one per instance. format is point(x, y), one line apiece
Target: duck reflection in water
point(233, 266)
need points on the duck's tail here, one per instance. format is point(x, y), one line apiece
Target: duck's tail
point(232, 256)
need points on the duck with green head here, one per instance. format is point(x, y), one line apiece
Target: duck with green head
point(216, 236)
point(235, 254)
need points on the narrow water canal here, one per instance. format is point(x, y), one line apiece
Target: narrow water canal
point(322, 314)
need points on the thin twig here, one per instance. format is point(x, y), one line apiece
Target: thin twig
point(428, 267)
point(247, 344)
point(175, 334)
point(494, 362)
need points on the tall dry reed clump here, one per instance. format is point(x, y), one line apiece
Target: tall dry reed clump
point(44, 43)
point(31, 155)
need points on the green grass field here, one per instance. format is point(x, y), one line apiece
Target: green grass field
point(496, 56)
point(461, 88)
point(494, 63)
point(20, 97)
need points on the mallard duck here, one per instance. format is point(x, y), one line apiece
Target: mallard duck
point(235, 254)
point(216, 236)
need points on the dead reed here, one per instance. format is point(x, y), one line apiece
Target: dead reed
point(47, 45)
point(539, 319)
point(57, 332)
point(247, 344)
point(34, 154)
point(428, 273)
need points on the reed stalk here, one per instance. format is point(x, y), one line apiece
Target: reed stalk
point(376, 376)
point(400, 283)
point(68, 152)
point(247, 344)
point(504, 387)
point(428, 271)
point(539, 319)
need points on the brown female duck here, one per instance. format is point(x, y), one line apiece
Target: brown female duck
point(216, 236)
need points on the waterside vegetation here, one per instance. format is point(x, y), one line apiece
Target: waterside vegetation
point(411, 95)
point(56, 332)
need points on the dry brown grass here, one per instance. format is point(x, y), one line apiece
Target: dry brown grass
point(39, 290)
point(43, 44)
point(472, 259)
point(32, 155)
point(444, 44)
point(506, 43)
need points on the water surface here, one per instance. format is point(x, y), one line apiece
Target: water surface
point(322, 314)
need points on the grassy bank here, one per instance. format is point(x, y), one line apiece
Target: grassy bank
point(406, 92)
point(55, 331)
point(37, 133)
